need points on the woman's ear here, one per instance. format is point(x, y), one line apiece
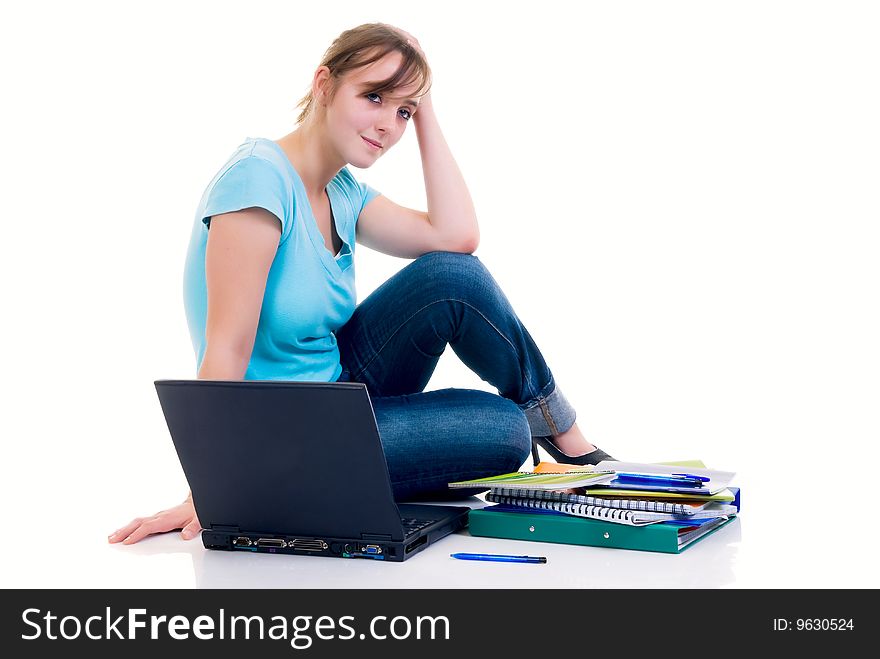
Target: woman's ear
point(322, 86)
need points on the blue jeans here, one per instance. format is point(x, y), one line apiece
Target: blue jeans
point(392, 344)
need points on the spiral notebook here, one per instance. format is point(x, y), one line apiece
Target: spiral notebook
point(615, 515)
point(604, 513)
point(646, 505)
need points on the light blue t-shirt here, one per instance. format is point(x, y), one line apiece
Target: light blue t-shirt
point(310, 293)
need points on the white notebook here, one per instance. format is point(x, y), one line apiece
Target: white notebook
point(718, 480)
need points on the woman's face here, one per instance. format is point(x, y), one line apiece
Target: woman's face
point(357, 121)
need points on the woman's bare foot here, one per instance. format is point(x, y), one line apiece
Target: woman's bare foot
point(572, 442)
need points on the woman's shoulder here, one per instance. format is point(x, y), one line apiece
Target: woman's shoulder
point(253, 176)
point(260, 153)
point(254, 164)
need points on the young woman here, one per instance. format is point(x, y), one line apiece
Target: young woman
point(269, 283)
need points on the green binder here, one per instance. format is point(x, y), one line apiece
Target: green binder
point(544, 527)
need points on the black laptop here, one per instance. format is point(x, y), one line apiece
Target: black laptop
point(294, 468)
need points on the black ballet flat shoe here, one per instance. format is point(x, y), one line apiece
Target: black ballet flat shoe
point(592, 458)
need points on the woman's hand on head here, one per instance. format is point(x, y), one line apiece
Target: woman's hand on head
point(410, 39)
point(182, 516)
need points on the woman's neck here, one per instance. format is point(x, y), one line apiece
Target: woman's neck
point(312, 158)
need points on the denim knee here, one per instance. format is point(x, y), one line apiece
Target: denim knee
point(433, 438)
point(454, 267)
point(452, 275)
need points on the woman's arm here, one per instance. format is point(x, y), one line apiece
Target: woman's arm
point(451, 221)
point(450, 208)
point(241, 247)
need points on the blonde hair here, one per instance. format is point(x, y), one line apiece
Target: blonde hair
point(363, 45)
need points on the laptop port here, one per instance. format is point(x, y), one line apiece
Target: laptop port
point(416, 544)
point(242, 542)
point(306, 545)
point(371, 549)
point(270, 542)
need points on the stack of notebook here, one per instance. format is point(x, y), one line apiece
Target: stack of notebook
point(650, 507)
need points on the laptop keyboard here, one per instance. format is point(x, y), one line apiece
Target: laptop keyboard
point(411, 525)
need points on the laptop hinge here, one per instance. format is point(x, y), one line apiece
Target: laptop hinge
point(375, 536)
point(226, 528)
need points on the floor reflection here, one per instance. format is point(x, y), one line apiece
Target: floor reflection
point(710, 563)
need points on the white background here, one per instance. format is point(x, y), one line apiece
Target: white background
point(679, 198)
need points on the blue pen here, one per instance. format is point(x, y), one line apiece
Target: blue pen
point(500, 557)
point(702, 479)
point(647, 479)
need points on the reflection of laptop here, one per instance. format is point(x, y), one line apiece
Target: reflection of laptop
point(294, 468)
